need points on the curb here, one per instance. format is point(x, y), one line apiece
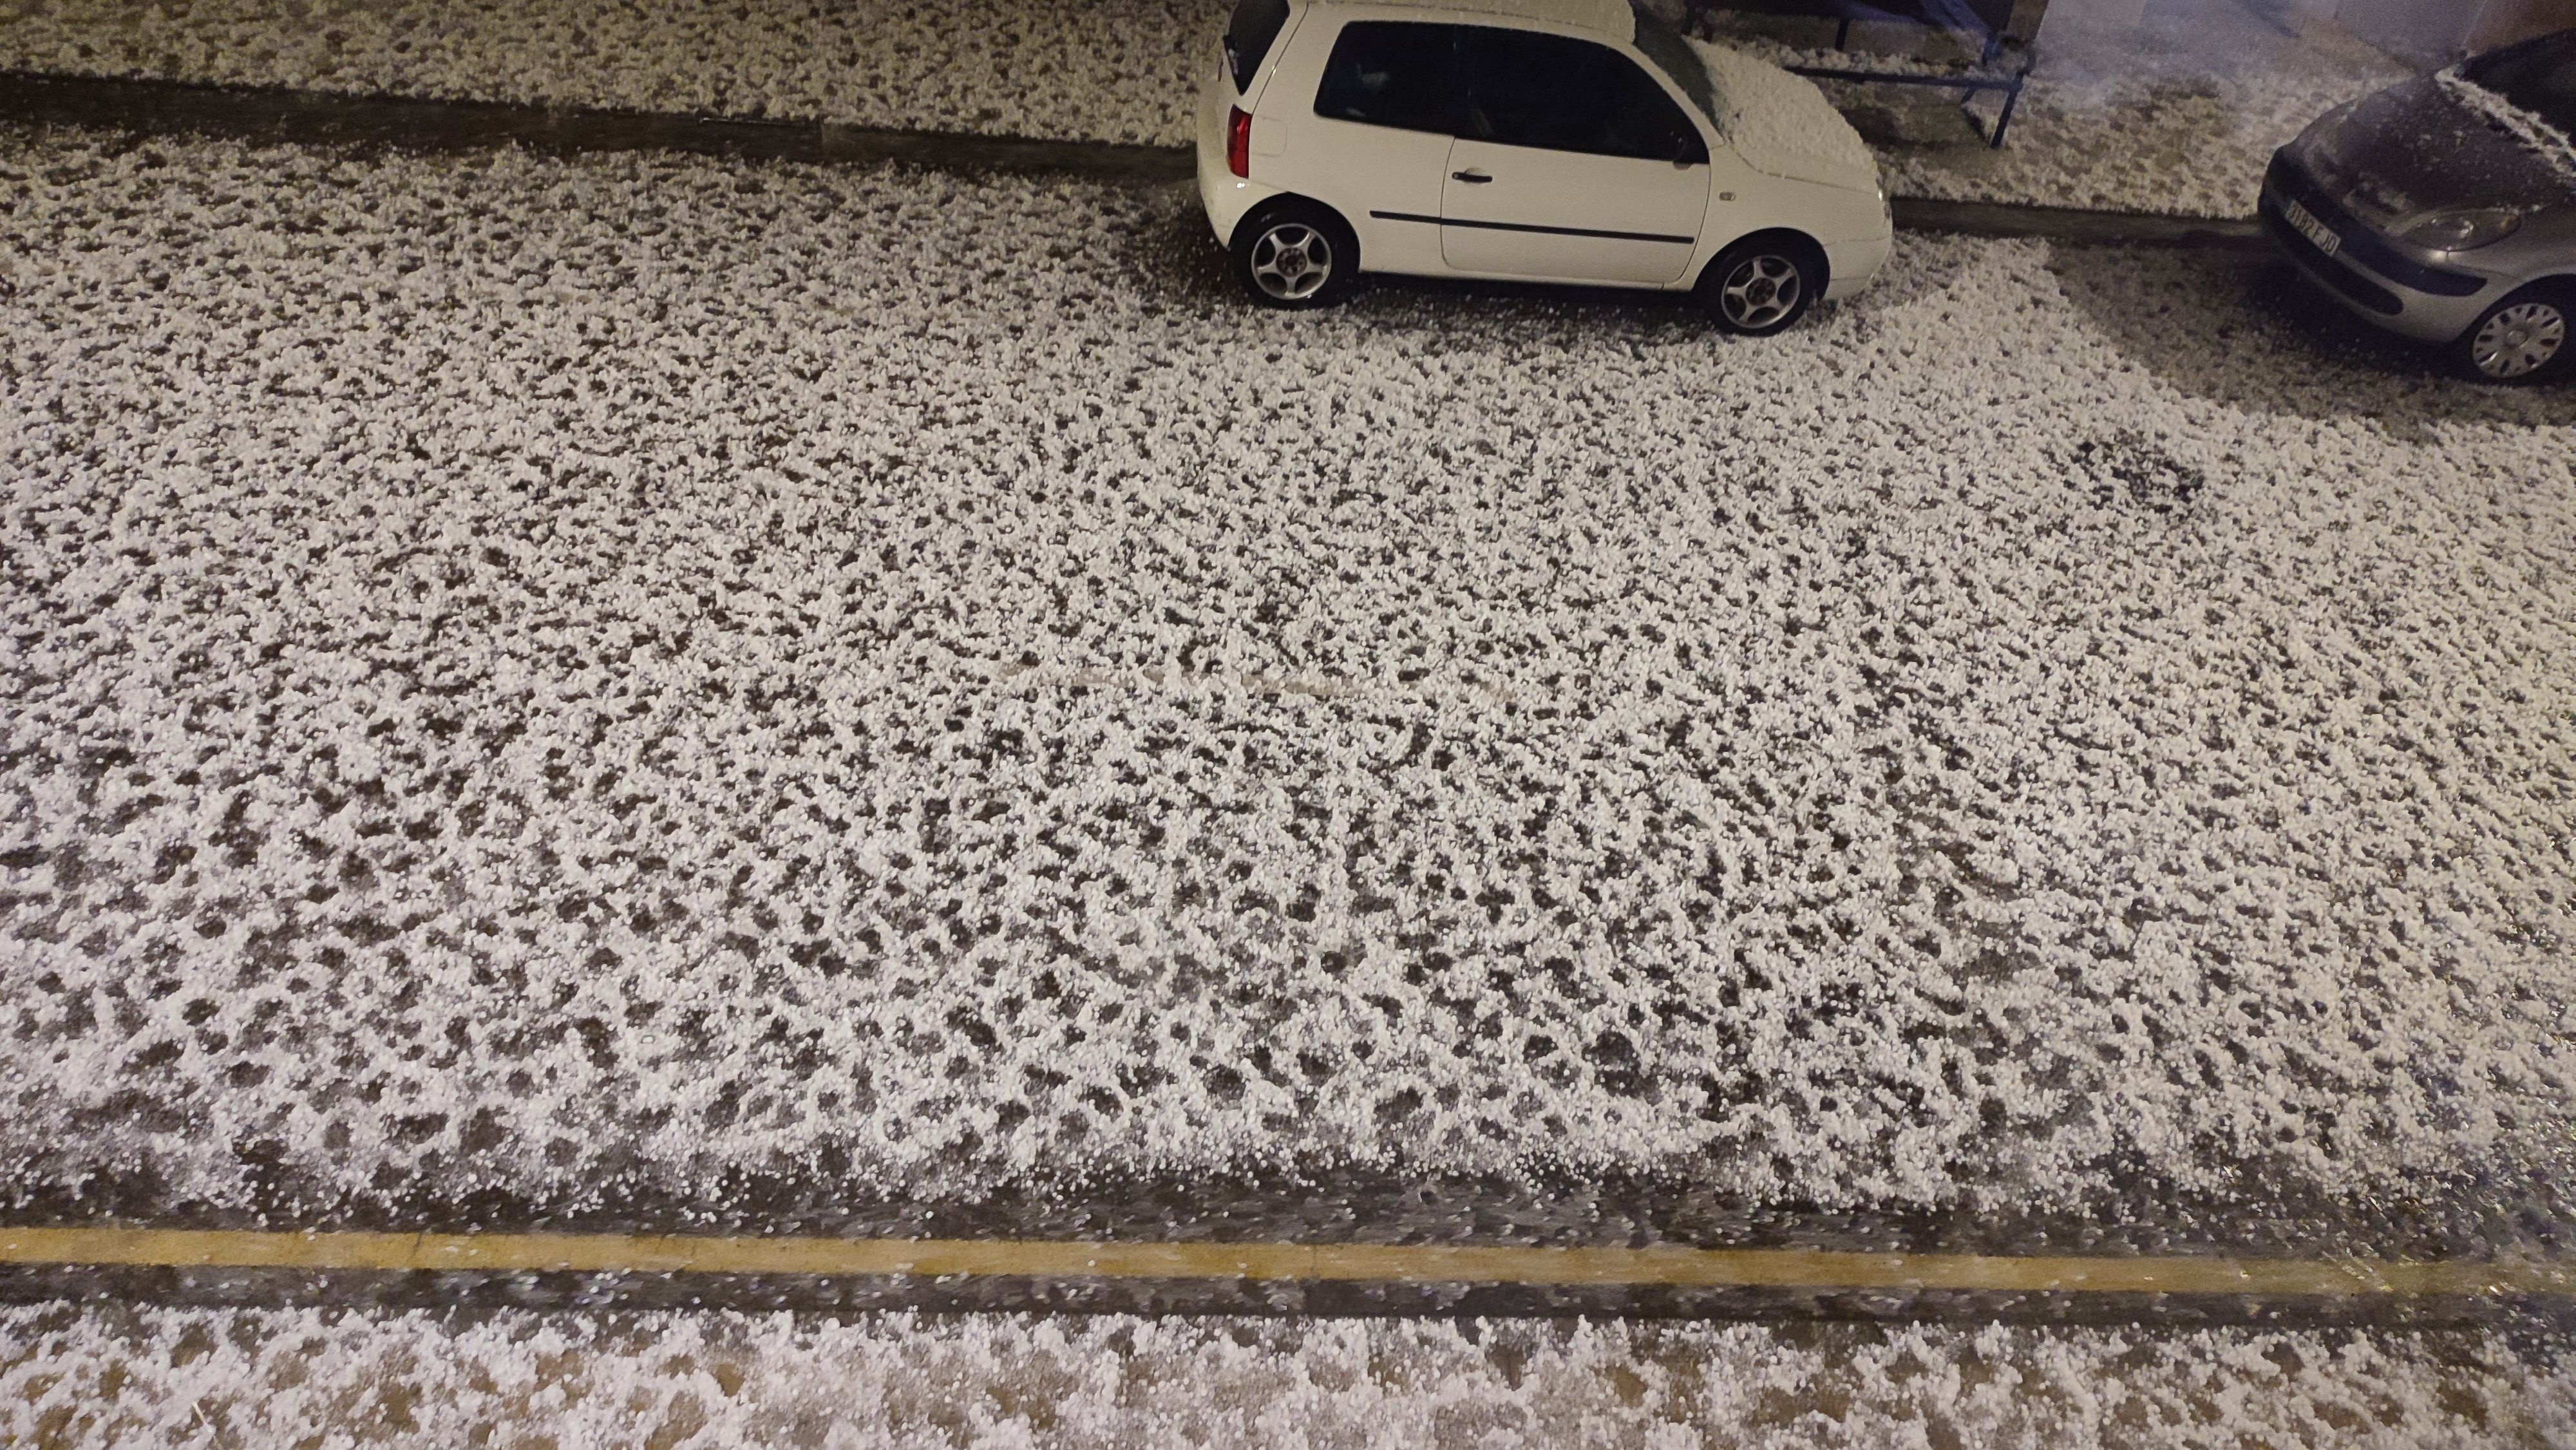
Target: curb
point(2077, 227)
point(328, 117)
point(259, 113)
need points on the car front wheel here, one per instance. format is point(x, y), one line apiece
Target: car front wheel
point(1763, 284)
point(2523, 339)
point(1295, 255)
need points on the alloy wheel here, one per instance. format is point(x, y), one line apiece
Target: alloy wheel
point(1760, 291)
point(1292, 261)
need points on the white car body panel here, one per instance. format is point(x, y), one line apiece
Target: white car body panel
point(1379, 177)
point(1225, 196)
point(1853, 263)
point(1373, 175)
point(1658, 208)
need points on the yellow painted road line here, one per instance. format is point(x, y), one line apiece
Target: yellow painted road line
point(1807, 1269)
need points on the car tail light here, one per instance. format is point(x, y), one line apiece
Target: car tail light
point(1238, 142)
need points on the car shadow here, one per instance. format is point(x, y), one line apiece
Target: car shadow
point(2244, 329)
point(1174, 254)
point(2247, 330)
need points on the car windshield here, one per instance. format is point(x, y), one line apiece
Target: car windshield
point(1673, 56)
point(2539, 76)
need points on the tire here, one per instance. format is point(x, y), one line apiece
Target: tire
point(1295, 254)
point(1764, 283)
point(2529, 337)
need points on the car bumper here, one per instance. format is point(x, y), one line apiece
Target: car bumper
point(1850, 265)
point(1225, 195)
point(2408, 292)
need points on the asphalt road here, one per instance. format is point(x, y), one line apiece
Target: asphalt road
point(659, 692)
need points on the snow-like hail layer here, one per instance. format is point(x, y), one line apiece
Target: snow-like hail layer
point(111, 1375)
point(2531, 129)
point(2158, 117)
point(526, 674)
point(1111, 70)
point(1782, 124)
point(2094, 129)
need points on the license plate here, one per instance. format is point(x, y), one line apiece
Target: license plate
point(2310, 228)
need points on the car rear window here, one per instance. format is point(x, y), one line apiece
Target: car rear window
point(1256, 26)
point(2537, 75)
point(1399, 73)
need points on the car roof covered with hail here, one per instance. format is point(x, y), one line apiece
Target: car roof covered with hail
point(1611, 18)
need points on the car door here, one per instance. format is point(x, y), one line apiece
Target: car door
point(1571, 164)
point(1385, 113)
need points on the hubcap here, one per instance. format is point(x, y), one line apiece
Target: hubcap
point(2519, 339)
point(1292, 261)
point(1760, 291)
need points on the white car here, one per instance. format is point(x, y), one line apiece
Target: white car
point(1572, 141)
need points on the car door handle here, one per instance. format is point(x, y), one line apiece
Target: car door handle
point(1472, 178)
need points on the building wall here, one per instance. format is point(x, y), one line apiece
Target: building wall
point(2430, 31)
point(2436, 30)
point(2503, 21)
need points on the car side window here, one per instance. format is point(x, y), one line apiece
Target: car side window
point(1560, 94)
point(1396, 73)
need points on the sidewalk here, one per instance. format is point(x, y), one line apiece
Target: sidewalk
point(1115, 70)
point(271, 115)
point(2163, 120)
point(2177, 117)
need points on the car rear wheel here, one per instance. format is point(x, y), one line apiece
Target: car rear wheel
point(1296, 254)
point(1763, 284)
point(2523, 339)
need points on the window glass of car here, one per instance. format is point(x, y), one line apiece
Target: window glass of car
point(2537, 75)
point(1673, 56)
point(1248, 38)
point(1399, 73)
point(1557, 93)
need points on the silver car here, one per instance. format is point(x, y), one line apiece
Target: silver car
point(2444, 209)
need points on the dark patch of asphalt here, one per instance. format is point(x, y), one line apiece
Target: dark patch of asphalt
point(329, 118)
point(469, 1295)
point(332, 118)
point(1345, 1203)
point(2077, 227)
